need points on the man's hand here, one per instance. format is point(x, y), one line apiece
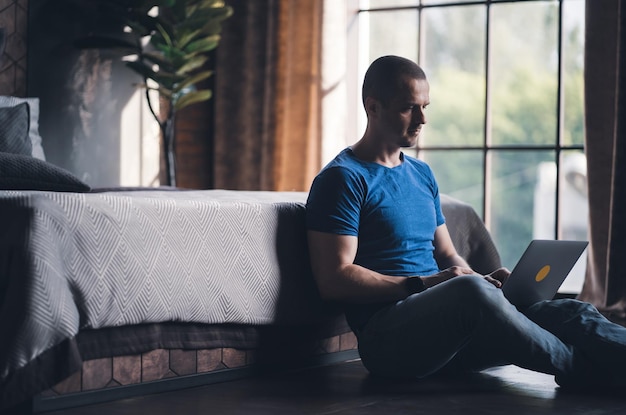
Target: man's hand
point(498, 277)
point(446, 274)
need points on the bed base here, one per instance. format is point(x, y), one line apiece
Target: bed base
point(162, 370)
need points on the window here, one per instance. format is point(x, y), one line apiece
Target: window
point(505, 124)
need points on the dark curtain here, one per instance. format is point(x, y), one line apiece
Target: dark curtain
point(267, 99)
point(605, 147)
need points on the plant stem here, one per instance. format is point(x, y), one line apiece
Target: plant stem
point(168, 131)
point(169, 139)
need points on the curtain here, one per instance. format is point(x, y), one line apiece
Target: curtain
point(605, 147)
point(267, 96)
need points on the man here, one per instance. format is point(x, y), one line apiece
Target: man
point(380, 246)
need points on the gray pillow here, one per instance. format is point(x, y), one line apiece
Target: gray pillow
point(33, 131)
point(21, 172)
point(14, 123)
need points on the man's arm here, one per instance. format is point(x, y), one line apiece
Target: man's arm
point(445, 252)
point(338, 278)
point(447, 257)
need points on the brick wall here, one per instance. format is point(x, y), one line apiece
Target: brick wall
point(164, 364)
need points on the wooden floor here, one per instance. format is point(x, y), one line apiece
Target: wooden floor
point(346, 388)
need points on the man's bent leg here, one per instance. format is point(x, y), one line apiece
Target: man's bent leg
point(465, 316)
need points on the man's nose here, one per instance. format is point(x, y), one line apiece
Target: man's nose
point(419, 116)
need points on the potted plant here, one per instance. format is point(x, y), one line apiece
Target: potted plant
point(169, 42)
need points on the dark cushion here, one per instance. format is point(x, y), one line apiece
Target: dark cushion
point(14, 125)
point(20, 172)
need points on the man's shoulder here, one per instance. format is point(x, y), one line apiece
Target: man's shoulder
point(339, 175)
point(417, 164)
point(343, 175)
point(343, 165)
point(414, 160)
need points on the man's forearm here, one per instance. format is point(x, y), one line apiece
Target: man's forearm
point(451, 266)
point(355, 284)
point(452, 261)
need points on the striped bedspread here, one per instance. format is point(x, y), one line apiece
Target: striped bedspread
point(73, 261)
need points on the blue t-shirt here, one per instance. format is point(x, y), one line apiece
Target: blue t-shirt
point(393, 211)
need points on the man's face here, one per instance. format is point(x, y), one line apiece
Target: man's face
point(402, 118)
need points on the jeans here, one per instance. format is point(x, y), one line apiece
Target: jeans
point(466, 324)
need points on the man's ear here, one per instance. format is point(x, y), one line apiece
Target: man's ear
point(372, 105)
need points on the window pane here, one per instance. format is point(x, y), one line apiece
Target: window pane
point(375, 4)
point(459, 174)
point(514, 181)
point(573, 65)
point(382, 40)
point(574, 211)
point(524, 66)
point(454, 61)
point(573, 207)
point(430, 2)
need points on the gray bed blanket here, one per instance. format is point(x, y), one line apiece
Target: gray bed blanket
point(72, 261)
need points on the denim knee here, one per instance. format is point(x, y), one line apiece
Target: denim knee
point(477, 290)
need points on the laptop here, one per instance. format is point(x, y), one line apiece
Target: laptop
point(541, 270)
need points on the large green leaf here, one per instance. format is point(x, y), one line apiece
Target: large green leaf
point(165, 34)
point(159, 44)
point(211, 3)
point(184, 37)
point(200, 76)
point(203, 45)
point(142, 69)
point(212, 27)
point(207, 18)
point(193, 64)
point(158, 59)
point(162, 78)
point(190, 9)
point(176, 57)
point(192, 6)
point(192, 98)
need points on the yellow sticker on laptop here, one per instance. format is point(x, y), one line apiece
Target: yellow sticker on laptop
point(543, 273)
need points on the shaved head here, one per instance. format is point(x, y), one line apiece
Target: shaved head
point(386, 75)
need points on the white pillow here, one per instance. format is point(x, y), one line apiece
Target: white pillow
point(33, 132)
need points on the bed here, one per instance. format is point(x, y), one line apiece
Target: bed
point(113, 289)
point(119, 273)
point(84, 262)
